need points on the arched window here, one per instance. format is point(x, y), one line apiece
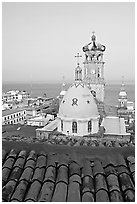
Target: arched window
point(89, 126)
point(94, 93)
point(74, 127)
point(61, 125)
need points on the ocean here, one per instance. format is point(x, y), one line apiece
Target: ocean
point(53, 90)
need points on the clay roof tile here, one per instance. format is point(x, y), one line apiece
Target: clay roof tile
point(100, 182)
point(97, 168)
point(22, 154)
point(41, 161)
point(20, 191)
point(12, 153)
point(87, 170)
point(9, 163)
point(75, 178)
point(32, 155)
point(62, 174)
point(38, 174)
point(50, 174)
point(87, 184)
point(110, 170)
point(102, 196)
point(19, 162)
point(8, 190)
point(116, 196)
point(60, 192)
point(88, 197)
point(33, 191)
point(74, 168)
point(15, 174)
point(5, 174)
point(74, 192)
point(27, 174)
point(125, 182)
point(113, 184)
point(46, 192)
point(30, 163)
point(129, 196)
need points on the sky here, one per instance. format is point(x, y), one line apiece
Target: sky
point(40, 40)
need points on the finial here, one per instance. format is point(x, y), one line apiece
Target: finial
point(78, 56)
point(93, 36)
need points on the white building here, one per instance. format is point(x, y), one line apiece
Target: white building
point(14, 95)
point(13, 116)
point(78, 114)
point(40, 120)
point(114, 126)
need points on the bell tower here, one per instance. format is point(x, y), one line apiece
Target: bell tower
point(94, 68)
point(122, 97)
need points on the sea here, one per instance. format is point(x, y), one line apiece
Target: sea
point(53, 90)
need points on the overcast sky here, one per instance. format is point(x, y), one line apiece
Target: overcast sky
point(40, 40)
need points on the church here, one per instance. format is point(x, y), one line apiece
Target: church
point(79, 112)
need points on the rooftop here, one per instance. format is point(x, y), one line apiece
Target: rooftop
point(57, 174)
point(11, 111)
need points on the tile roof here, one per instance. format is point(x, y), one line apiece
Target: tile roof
point(60, 177)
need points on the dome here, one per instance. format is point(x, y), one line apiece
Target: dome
point(78, 103)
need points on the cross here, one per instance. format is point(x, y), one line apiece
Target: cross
point(93, 32)
point(78, 56)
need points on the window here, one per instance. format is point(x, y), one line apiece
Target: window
point(5, 118)
point(89, 126)
point(17, 114)
point(24, 112)
point(8, 117)
point(61, 125)
point(74, 127)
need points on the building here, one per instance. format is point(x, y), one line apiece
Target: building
point(114, 126)
point(39, 120)
point(78, 114)
point(13, 116)
point(94, 68)
point(14, 95)
point(44, 132)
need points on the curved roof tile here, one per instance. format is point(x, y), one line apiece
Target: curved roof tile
point(46, 192)
point(33, 191)
point(60, 192)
